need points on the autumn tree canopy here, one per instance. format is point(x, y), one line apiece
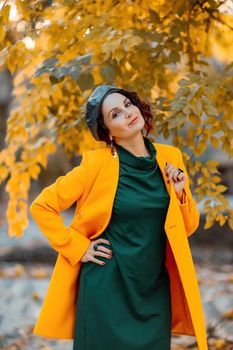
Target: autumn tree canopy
point(176, 54)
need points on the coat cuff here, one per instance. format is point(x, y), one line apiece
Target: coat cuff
point(80, 244)
point(184, 205)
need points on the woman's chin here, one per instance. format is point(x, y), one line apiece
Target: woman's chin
point(138, 125)
point(135, 131)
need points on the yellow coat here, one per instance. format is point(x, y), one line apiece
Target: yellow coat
point(93, 185)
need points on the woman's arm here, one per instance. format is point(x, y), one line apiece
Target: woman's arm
point(188, 206)
point(55, 198)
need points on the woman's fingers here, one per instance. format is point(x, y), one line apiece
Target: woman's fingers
point(104, 249)
point(105, 255)
point(173, 173)
point(103, 240)
point(181, 176)
point(96, 261)
point(93, 258)
point(101, 247)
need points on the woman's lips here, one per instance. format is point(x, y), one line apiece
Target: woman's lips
point(133, 121)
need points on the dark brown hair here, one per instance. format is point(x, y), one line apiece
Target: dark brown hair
point(144, 108)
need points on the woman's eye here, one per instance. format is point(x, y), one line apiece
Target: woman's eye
point(127, 103)
point(114, 114)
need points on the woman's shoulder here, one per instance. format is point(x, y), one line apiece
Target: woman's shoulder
point(96, 156)
point(96, 152)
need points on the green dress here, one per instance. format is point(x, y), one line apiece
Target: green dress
point(125, 304)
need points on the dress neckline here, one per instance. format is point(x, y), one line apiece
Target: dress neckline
point(139, 162)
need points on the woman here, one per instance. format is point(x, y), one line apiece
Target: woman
point(131, 286)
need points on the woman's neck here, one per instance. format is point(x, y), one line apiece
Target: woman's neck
point(136, 146)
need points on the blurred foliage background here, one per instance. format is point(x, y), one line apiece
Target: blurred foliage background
point(176, 54)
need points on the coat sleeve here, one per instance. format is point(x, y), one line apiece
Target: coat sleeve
point(188, 206)
point(54, 198)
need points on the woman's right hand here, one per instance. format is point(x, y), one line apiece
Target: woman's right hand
point(102, 251)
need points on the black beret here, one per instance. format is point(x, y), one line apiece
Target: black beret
point(94, 103)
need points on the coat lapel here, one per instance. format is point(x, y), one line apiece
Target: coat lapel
point(161, 163)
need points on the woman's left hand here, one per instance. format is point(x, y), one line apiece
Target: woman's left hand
point(178, 178)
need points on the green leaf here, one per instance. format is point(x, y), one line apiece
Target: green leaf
point(50, 62)
point(174, 57)
point(42, 71)
point(74, 72)
point(210, 109)
point(181, 92)
point(228, 67)
point(196, 107)
point(60, 72)
point(153, 36)
point(184, 82)
point(181, 11)
point(209, 91)
point(177, 105)
point(199, 107)
point(85, 81)
point(108, 73)
point(55, 80)
point(154, 16)
point(195, 78)
point(85, 59)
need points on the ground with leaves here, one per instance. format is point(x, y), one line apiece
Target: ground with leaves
point(23, 287)
point(24, 280)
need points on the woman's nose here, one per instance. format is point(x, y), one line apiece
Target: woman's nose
point(127, 114)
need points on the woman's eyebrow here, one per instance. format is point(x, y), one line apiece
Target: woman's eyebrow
point(117, 107)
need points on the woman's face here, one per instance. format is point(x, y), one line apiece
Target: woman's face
point(118, 113)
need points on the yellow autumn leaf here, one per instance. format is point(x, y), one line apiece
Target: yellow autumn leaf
point(34, 171)
point(221, 188)
point(228, 314)
point(220, 343)
point(214, 141)
point(36, 296)
point(209, 222)
point(2, 34)
point(205, 172)
point(230, 222)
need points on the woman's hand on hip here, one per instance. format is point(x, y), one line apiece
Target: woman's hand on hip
point(102, 251)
